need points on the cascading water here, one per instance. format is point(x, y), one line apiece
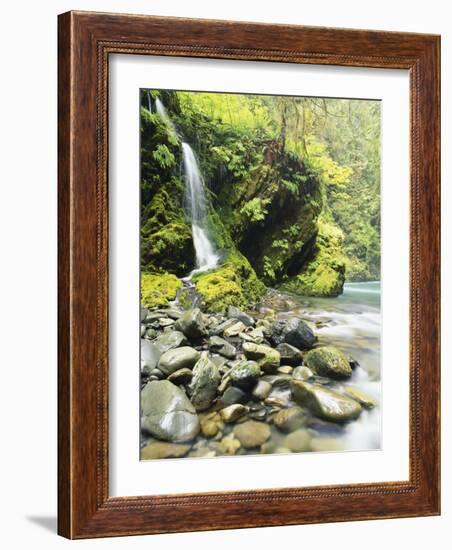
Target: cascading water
point(195, 204)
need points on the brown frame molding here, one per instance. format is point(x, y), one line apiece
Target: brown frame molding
point(85, 41)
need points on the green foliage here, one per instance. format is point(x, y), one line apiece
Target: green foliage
point(254, 210)
point(157, 289)
point(164, 157)
point(324, 275)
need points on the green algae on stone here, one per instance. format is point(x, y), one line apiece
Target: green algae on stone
point(328, 361)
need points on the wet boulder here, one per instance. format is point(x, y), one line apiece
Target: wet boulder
point(192, 324)
point(295, 332)
point(221, 346)
point(178, 358)
point(236, 313)
point(266, 357)
point(167, 413)
point(328, 361)
point(245, 374)
point(324, 402)
point(204, 384)
point(252, 434)
point(170, 340)
point(290, 355)
point(150, 355)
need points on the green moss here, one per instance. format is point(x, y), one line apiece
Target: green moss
point(324, 274)
point(234, 283)
point(157, 289)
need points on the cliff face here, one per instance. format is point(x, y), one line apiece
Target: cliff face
point(265, 205)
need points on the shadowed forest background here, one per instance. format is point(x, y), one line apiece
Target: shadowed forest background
point(292, 190)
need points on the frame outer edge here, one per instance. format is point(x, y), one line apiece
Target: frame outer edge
point(64, 276)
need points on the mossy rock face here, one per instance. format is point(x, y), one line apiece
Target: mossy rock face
point(233, 284)
point(158, 289)
point(324, 274)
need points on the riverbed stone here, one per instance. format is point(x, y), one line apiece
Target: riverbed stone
point(245, 374)
point(362, 397)
point(181, 376)
point(229, 445)
point(328, 361)
point(204, 384)
point(235, 329)
point(211, 424)
point(150, 355)
point(302, 373)
point(236, 313)
point(252, 434)
point(324, 402)
point(290, 355)
point(232, 395)
point(178, 358)
point(170, 340)
point(289, 419)
point(222, 346)
point(285, 369)
point(261, 390)
point(233, 412)
point(298, 441)
point(191, 323)
point(161, 449)
point(167, 413)
point(295, 332)
point(266, 357)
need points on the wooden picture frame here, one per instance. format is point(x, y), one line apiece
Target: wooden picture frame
point(86, 40)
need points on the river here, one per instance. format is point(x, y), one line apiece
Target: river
point(352, 323)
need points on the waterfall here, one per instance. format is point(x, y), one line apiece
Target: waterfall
point(149, 102)
point(160, 108)
point(195, 206)
point(195, 203)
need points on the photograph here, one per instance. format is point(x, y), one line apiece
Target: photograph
point(260, 274)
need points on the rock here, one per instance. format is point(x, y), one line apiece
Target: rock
point(233, 413)
point(280, 381)
point(262, 390)
point(231, 396)
point(275, 402)
point(266, 357)
point(143, 313)
point(224, 384)
point(256, 335)
point(219, 328)
point(268, 447)
point(229, 445)
point(157, 373)
point(353, 363)
point(290, 355)
point(363, 398)
point(252, 434)
point(150, 355)
point(221, 346)
point(160, 449)
point(289, 420)
point(170, 340)
point(295, 332)
point(150, 333)
point(167, 412)
point(298, 441)
point(235, 329)
point(173, 313)
point(302, 373)
point(285, 369)
point(152, 317)
point(245, 374)
point(142, 330)
point(191, 323)
point(211, 424)
point(325, 444)
point(328, 361)
point(235, 313)
point(204, 384)
point(165, 322)
point(181, 376)
point(259, 414)
point(178, 358)
point(324, 402)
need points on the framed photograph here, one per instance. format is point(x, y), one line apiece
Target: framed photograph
point(248, 275)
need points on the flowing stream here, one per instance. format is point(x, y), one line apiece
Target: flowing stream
point(195, 203)
point(352, 323)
